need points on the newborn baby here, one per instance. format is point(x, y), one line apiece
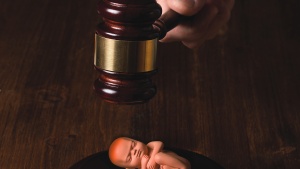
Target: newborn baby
point(130, 154)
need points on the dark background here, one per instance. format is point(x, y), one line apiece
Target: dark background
point(236, 100)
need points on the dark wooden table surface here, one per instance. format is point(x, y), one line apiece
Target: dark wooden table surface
point(236, 100)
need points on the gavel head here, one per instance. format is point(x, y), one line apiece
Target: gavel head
point(125, 50)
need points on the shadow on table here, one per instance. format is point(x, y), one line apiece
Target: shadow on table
point(101, 161)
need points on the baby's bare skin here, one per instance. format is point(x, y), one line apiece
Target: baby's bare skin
point(130, 154)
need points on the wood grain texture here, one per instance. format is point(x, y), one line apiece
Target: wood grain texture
point(236, 100)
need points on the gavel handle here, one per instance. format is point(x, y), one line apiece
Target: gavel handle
point(167, 22)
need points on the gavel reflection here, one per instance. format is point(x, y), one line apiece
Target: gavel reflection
point(125, 48)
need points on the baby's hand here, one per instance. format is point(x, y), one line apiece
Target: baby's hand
point(144, 161)
point(152, 164)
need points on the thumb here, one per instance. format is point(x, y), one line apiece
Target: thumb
point(186, 7)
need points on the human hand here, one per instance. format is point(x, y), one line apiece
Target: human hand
point(144, 161)
point(207, 18)
point(152, 164)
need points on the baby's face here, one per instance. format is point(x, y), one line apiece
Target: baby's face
point(128, 152)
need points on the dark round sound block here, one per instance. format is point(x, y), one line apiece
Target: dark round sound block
point(101, 161)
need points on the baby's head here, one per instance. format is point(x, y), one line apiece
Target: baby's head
point(127, 153)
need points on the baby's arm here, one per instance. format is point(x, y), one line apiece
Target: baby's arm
point(144, 162)
point(172, 160)
point(156, 147)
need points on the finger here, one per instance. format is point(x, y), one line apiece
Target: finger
point(186, 7)
point(230, 4)
point(220, 20)
point(200, 35)
point(194, 44)
point(193, 29)
point(164, 5)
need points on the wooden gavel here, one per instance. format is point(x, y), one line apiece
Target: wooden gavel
point(125, 48)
